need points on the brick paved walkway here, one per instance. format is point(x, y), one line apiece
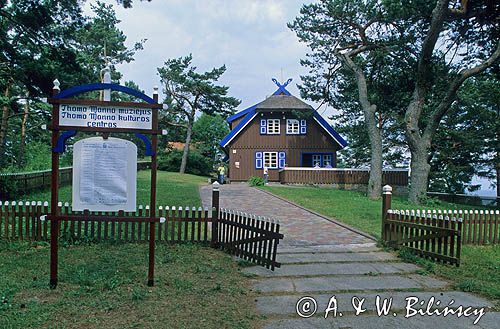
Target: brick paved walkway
point(300, 227)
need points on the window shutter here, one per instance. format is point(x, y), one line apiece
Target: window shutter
point(281, 159)
point(303, 127)
point(258, 160)
point(263, 127)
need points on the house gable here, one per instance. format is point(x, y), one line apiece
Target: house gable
point(251, 137)
point(279, 102)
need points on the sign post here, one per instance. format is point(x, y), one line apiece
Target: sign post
point(54, 192)
point(70, 116)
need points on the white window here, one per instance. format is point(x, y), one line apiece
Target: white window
point(292, 127)
point(316, 160)
point(327, 160)
point(271, 160)
point(273, 126)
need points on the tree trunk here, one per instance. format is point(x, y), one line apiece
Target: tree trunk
point(497, 156)
point(185, 154)
point(22, 144)
point(372, 128)
point(375, 180)
point(420, 147)
point(498, 181)
point(420, 169)
point(4, 124)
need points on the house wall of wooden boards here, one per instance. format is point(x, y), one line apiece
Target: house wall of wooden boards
point(243, 148)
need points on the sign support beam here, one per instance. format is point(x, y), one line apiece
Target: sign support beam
point(54, 224)
point(152, 207)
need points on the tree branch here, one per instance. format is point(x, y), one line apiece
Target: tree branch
point(368, 108)
point(362, 29)
point(179, 109)
point(414, 109)
point(462, 10)
point(176, 124)
point(438, 15)
point(361, 49)
point(177, 96)
point(451, 93)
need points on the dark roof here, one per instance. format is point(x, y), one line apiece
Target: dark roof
point(280, 91)
point(283, 102)
point(241, 113)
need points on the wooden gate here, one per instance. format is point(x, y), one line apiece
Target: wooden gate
point(252, 238)
point(431, 235)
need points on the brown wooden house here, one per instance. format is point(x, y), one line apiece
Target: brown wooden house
point(281, 131)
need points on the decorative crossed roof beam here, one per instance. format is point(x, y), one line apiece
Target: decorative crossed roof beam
point(282, 87)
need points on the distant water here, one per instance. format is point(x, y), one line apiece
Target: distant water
point(486, 189)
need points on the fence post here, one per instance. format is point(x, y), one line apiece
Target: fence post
point(215, 214)
point(386, 205)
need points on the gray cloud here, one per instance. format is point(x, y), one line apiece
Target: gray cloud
point(250, 37)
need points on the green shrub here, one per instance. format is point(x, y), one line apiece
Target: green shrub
point(256, 181)
point(430, 201)
point(197, 164)
point(38, 156)
point(8, 188)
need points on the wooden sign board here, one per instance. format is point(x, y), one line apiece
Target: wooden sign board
point(104, 175)
point(99, 116)
point(104, 168)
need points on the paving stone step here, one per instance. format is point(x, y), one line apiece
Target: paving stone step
point(316, 269)
point(347, 283)
point(286, 305)
point(335, 257)
point(358, 247)
point(488, 321)
point(306, 237)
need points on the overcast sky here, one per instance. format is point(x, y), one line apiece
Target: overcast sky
point(249, 36)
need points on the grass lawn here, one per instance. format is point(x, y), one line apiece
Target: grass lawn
point(480, 265)
point(104, 286)
point(350, 207)
point(173, 189)
point(479, 271)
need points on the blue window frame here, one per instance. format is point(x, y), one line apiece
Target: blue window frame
point(258, 160)
point(281, 160)
point(303, 127)
point(316, 160)
point(263, 127)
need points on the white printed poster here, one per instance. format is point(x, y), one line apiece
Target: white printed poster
point(104, 174)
